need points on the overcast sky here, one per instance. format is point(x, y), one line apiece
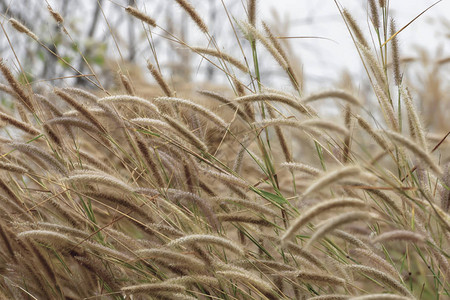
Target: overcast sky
point(322, 58)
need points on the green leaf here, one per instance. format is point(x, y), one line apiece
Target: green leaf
point(148, 132)
point(274, 198)
point(64, 61)
point(41, 55)
point(99, 59)
point(25, 78)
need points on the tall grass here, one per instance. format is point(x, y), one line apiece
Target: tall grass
point(255, 196)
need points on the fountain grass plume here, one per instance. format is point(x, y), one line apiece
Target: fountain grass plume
point(191, 11)
point(339, 220)
point(383, 277)
point(19, 124)
point(320, 208)
point(140, 15)
point(128, 190)
point(22, 94)
point(22, 28)
point(207, 239)
point(331, 177)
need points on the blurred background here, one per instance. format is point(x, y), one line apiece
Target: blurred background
point(313, 33)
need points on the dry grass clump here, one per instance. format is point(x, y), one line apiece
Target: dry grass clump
point(135, 197)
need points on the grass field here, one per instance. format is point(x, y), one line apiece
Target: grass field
point(245, 191)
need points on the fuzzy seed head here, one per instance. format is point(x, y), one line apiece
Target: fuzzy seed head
point(140, 15)
point(55, 15)
point(22, 28)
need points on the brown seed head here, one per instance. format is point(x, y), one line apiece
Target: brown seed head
point(22, 28)
point(374, 14)
point(252, 12)
point(193, 14)
point(359, 36)
point(395, 54)
point(16, 86)
point(55, 15)
point(140, 15)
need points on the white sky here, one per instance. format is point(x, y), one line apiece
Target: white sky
point(322, 58)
